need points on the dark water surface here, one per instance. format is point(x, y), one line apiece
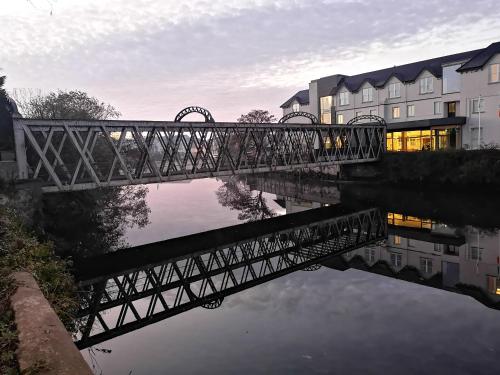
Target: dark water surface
point(418, 294)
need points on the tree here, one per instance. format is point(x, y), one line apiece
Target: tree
point(236, 195)
point(86, 222)
point(6, 131)
point(67, 105)
point(257, 116)
point(3, 93)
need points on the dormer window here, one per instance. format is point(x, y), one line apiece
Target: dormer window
point(426, 85)
point(394, 90)
point(344, 98)
point(296, 107)
point(367, 94)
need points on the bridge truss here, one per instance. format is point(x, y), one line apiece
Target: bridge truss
point(71, 155)
point(123, 301)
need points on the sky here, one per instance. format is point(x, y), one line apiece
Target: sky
point(151, 58)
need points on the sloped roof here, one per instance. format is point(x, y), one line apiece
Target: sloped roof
point(481, 58)
point(302, 97)
point(405, 73)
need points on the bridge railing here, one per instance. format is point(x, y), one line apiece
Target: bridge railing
point(116, 301)
point(75, 155)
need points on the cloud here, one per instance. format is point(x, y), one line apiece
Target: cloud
point(149, 58)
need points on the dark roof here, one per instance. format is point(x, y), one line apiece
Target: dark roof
point(405, 73)
point(426, 123)
point(481, 58)
point(302, 97)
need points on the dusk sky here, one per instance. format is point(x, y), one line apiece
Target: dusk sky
point(151, 58)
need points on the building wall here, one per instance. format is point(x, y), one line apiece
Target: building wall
point(297, 120)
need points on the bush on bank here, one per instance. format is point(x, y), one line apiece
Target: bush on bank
point(457, 167)
point(21, 251)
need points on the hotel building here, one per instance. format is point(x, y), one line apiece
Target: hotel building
point(446, 102)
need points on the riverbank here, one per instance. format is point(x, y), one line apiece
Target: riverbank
point(453, 169)
point(21, 251)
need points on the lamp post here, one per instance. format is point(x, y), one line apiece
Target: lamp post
point(479, 123)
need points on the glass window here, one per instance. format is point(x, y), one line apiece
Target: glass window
point(370, 255)
point(426, 265)
point(411, 110)
point(495, 73)
point(340, 118)
point(475, 253)
point(373, 112)
point(397, 240)
point(426, 85)
point(344, 98)
point(477, 105)
point(394, 90)
point(367, 94)
point(493, 284)
point(396, 259)
point(296, 107)
point(326, 109)
point(438, 108)
point(451, 79)
point(326, 118)
point(396, 112)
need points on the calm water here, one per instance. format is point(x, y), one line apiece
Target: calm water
point(420, 297)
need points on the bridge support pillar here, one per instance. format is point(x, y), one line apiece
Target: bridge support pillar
point(20, 145)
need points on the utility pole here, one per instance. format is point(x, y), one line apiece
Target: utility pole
point(479, 123)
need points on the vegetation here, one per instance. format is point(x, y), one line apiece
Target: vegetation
point(21, 251)
point(257, 116)
point(443, 168)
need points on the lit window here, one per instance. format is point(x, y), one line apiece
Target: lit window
point(495, 73)
point(373, 112)
point(296, 107)
point(493, 284)
point(340, 118)
point(394, 90)
point(411, 110)
point(426, 265)
point(396, 259)
point(397, 240)
point(367, 95)
point(438, 108)
point(359, 114)
point(426, 85)
point(344, 98)
point(396, 112)
point(326, 109)
point(477, 105)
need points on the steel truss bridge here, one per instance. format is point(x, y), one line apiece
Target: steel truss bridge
point(126, 290)
point(69, 155)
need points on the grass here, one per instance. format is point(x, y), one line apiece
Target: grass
point(21, 251)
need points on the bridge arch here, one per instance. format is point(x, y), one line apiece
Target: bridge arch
point(194, 109)
point(310, 116)
point(370, 118)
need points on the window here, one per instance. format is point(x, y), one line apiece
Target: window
point(397, 240)
point(438, 108)
point(396, 112)
point(359, 114)
point(373, 112)
point(326, 109)
point(426, 85)
point(475, 253)
point(495, 73)
point(411, 110)
point(367, 94)
point(340, 118)
point(493, 284)
point(396, 259)
point(344, 98)
point(451, 79)
point(370, 255)
point(296, 107)
point(477, 105)
point(394, 90)
point(437, 247)
point(426, 265)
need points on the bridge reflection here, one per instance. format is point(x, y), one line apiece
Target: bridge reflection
point(130, 289)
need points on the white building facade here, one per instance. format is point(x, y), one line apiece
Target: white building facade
point(447, 102)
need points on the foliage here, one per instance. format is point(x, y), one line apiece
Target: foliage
point(454, 167)
point(3, 93)
point(67, 105)
point(257, 116)
point(237, 196)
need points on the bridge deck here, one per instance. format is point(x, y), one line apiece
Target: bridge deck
point(75, 155)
